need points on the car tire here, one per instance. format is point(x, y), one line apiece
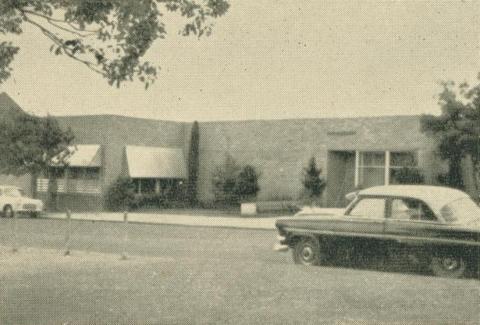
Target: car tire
point(8, 212)
point(33, 214)
point(307, 251)
point(448, 266)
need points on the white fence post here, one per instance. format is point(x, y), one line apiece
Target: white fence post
point(125, 236)
point(68, 234)
point(14, 232)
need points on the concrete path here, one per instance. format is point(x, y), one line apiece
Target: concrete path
point(173, 219)
point(188, 220)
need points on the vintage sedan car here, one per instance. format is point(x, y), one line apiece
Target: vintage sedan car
point(13, 200)
point(435, 226)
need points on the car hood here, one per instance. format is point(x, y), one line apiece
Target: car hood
point(27, 200)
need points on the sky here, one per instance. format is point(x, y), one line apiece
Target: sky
point(274, 59)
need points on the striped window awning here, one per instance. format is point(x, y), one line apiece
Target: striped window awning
point(155, 162)
point(82, 155)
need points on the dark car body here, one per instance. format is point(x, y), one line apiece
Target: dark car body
point(438, 226)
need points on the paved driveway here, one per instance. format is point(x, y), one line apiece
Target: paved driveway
point(197, 275)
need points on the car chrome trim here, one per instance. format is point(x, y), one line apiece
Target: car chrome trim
point(383, 236)
point(280, 248)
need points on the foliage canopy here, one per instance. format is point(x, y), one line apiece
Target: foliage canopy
point(29, 143)
point(110, 37)
point(233, 183)
point(457, 129)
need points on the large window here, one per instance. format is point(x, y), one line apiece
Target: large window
point(380, 167)
point(144, 186)
point(73, 180)
point(371, 169)
point(84, 173)
point(399, 161)
point(164, 186)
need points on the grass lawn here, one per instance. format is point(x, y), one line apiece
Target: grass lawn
point(192, 275)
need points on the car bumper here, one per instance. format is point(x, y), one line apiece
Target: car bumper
point(23, 210)
point(280, 248)
point(281, 245)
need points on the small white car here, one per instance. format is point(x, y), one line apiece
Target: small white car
point(13, 200)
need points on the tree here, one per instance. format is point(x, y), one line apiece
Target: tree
point(110, 37)
point(193, 164)
point(457, 130)
point(224, 181)
point(121, 194)
point(29, 145)
point(246, 186)
point(313, 183)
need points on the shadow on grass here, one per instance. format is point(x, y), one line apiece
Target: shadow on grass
point(407, 264)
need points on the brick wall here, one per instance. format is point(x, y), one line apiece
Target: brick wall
point(279, 149)
point(116, 132)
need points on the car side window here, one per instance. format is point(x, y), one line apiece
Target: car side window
point(411, 209)
point(369, 208)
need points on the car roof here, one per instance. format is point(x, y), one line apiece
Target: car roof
point(435, 196)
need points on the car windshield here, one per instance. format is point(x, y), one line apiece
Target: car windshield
point(15, 192)
point(463, 210)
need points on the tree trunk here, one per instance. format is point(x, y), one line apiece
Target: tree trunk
point(455, 178)
point(52, 191)
point(476, 177)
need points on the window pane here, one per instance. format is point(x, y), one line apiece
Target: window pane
point(371, 208)
point(406, 175)
point(411, 209)
point(403, 159)
point(75, 173)
point(148, 185)
point(372, 159)
point(57, 172)
point(92, 173)
point(463, 210)
point(369, 177)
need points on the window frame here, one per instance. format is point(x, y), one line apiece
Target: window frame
point(361, 198)
point(387, 165)
point(389, 211)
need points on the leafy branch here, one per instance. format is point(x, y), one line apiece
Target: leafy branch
point(110, 37)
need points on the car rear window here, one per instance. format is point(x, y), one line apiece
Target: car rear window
point(463, 210)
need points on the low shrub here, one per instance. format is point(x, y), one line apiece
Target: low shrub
point(408, 176)
point(121, 194)
point(233, 184)
point(289, 207)
point(173, 199)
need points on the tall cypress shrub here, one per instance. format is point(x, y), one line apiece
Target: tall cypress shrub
point(314, 184)
point(193, 164)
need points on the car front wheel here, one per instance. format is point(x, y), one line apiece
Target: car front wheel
point(307, 251)
point(448, 266)
point(8, 212)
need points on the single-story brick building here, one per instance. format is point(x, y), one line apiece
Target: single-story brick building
point(352, 152)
